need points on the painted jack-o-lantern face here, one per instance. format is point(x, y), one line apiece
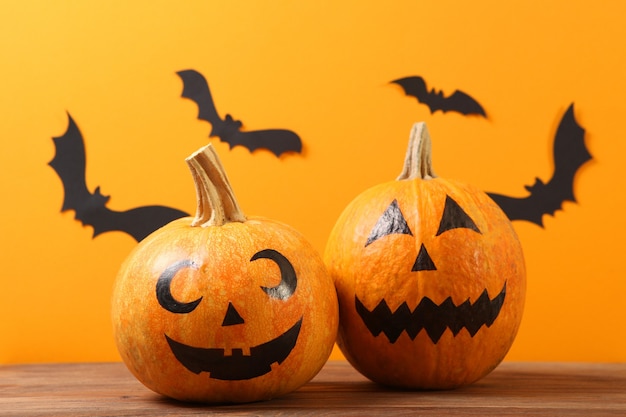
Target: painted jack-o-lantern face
point(213, 360)
point(429, 316)
point(221, 307)
point(430, 277)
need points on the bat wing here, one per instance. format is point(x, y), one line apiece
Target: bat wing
point(138, 222)
point(518, 208)
point(196, 88)
point(458, 101)
point(462, 103)
point(416, 87)
point(278, 141)
point(570, 153)
point(69, 162)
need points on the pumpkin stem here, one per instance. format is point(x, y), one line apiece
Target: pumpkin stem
point(216, 202)
point(418, 162)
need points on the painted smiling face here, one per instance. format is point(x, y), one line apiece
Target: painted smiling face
point(430, 277)
point(215, 361)
point(236, 310)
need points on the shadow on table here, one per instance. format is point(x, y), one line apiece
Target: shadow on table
point(513, 390)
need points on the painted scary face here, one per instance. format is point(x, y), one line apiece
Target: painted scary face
point(214, 360)
point(430, 292)
point(434, 318)
point(430, 277)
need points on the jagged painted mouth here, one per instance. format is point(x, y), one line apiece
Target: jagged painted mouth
point(430, 317)
point(236, 366)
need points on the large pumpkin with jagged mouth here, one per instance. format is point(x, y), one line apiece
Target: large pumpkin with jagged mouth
point(222, 307)
point(430, 277)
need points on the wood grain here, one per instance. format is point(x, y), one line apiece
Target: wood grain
point(108, 389)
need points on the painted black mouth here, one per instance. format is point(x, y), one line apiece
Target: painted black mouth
point(236, 366)
point(432, 318)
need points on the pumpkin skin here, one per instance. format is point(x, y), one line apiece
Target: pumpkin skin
point(428, 300)
point(237, 312)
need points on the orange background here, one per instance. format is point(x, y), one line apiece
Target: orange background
point(321, 69)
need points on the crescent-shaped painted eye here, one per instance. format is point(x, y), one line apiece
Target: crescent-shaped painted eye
point(288, 281)
point(164, 293)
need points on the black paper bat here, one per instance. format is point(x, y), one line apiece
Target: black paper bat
point(570, 154)
point(435, 100)
point(69, 162)
point(278, 141)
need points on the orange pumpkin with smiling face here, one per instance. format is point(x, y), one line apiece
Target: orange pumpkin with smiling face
point(430, 277)
point(223, 308)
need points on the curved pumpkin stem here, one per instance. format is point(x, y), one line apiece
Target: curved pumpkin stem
point(216, 202)
point(418, 162)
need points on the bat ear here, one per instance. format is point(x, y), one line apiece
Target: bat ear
point(228, 118)
point(538, 184)
point(99, 198)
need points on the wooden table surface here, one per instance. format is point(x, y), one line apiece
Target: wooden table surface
point(108, 389)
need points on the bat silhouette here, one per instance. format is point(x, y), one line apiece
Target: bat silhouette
point(90, 208)
point(570, 154)
point(435, 100)
point(278, 141)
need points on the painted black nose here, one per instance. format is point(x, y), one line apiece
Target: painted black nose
point(232, 316)
point(423, 262)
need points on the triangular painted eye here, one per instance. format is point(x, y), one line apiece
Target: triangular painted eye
point(391, 222)
point(455, 217)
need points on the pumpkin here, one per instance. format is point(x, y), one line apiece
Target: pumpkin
point(430, 277)
point(222, 307)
